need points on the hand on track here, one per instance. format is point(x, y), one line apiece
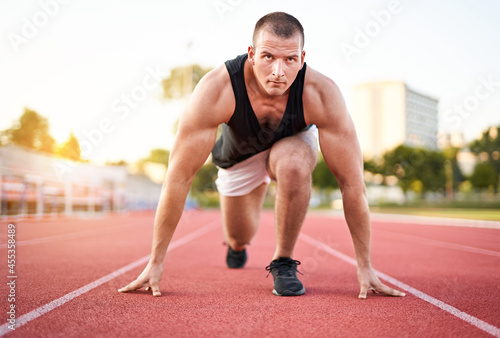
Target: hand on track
point(368, 280)
point(148, 279)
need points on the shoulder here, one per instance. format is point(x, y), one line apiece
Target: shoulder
point(322, 99)
point(213, 95)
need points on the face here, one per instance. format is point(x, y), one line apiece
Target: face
point(276, 61)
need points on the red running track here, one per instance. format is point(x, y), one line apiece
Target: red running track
point(68, 272)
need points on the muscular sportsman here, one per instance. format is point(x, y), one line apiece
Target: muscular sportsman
point(274, 109)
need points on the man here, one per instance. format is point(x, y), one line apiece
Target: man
point(271, 106)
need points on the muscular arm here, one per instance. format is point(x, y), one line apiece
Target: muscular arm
point(325, 107)
point(192, 146)
point(339, 145)
point(211, 104)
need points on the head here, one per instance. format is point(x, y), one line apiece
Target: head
point(277, 52)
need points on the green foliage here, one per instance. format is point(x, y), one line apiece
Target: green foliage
point(322, 177)
point(204, 180)
point(457, 177)
point(203, 188)
point(31, 131)
point(158, 156)
point(489, 142)
point(417, 169)
point(373, 166)
point(488, 146)
point(484, 176)
point(182, 80)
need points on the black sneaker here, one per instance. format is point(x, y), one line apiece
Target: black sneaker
point(284, 272)
point(236, 259)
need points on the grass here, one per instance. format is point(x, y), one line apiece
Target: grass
point(478, 214)
point(478, 210)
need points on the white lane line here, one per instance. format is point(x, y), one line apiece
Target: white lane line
point(26, 318)
point(447, 245)
point(482, 325)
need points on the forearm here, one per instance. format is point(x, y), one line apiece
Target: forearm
point(168, 214)
point(357, 215)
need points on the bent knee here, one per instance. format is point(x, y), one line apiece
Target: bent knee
point(293, 158)
point(293, 170)
point(292, 163)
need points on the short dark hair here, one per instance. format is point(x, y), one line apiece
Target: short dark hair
point(281, 24)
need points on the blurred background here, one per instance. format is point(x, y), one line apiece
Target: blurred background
point(91, 93)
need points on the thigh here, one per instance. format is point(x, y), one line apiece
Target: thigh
point(242, 178)
point(242, 213)
point(298, 152)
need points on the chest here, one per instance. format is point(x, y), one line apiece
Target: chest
point(269, 111)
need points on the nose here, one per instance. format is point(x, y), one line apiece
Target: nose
point(278, 68)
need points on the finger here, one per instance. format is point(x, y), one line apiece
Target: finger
point(397, 293)
point(132, 286)
point(384, 289)
point(156, 289)
point(363, 291)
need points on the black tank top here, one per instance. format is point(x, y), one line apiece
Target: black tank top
point(242, 137)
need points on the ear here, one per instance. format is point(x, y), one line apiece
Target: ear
point(251, 54)
point(303, 56)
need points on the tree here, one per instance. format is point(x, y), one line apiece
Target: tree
point(488, 148)
point(70, 149)
point(372, 166)
point(483, 176)
point(398, 162)
point(182, 80)
point(204, 180)
point(203, 188)
point(416, 169)
point(158, 156)
point(31, 131)
point(47, 143)
point(454, 176)
point(181, 83)
point(322, 177)
point(432, 171)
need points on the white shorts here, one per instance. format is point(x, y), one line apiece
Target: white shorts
point(247, 175)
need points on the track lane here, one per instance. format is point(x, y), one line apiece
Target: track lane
point(482, 325)
point(202, 296)
point(439, 262)
point(177, 241)
point(470, 288)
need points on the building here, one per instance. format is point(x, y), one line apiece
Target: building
point(33, 183)
point(387, 114)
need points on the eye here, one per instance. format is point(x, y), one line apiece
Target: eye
point(267, 57)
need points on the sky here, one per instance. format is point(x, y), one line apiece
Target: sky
point(94, 68)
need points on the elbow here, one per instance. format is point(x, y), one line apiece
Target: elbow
point(178, 178)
